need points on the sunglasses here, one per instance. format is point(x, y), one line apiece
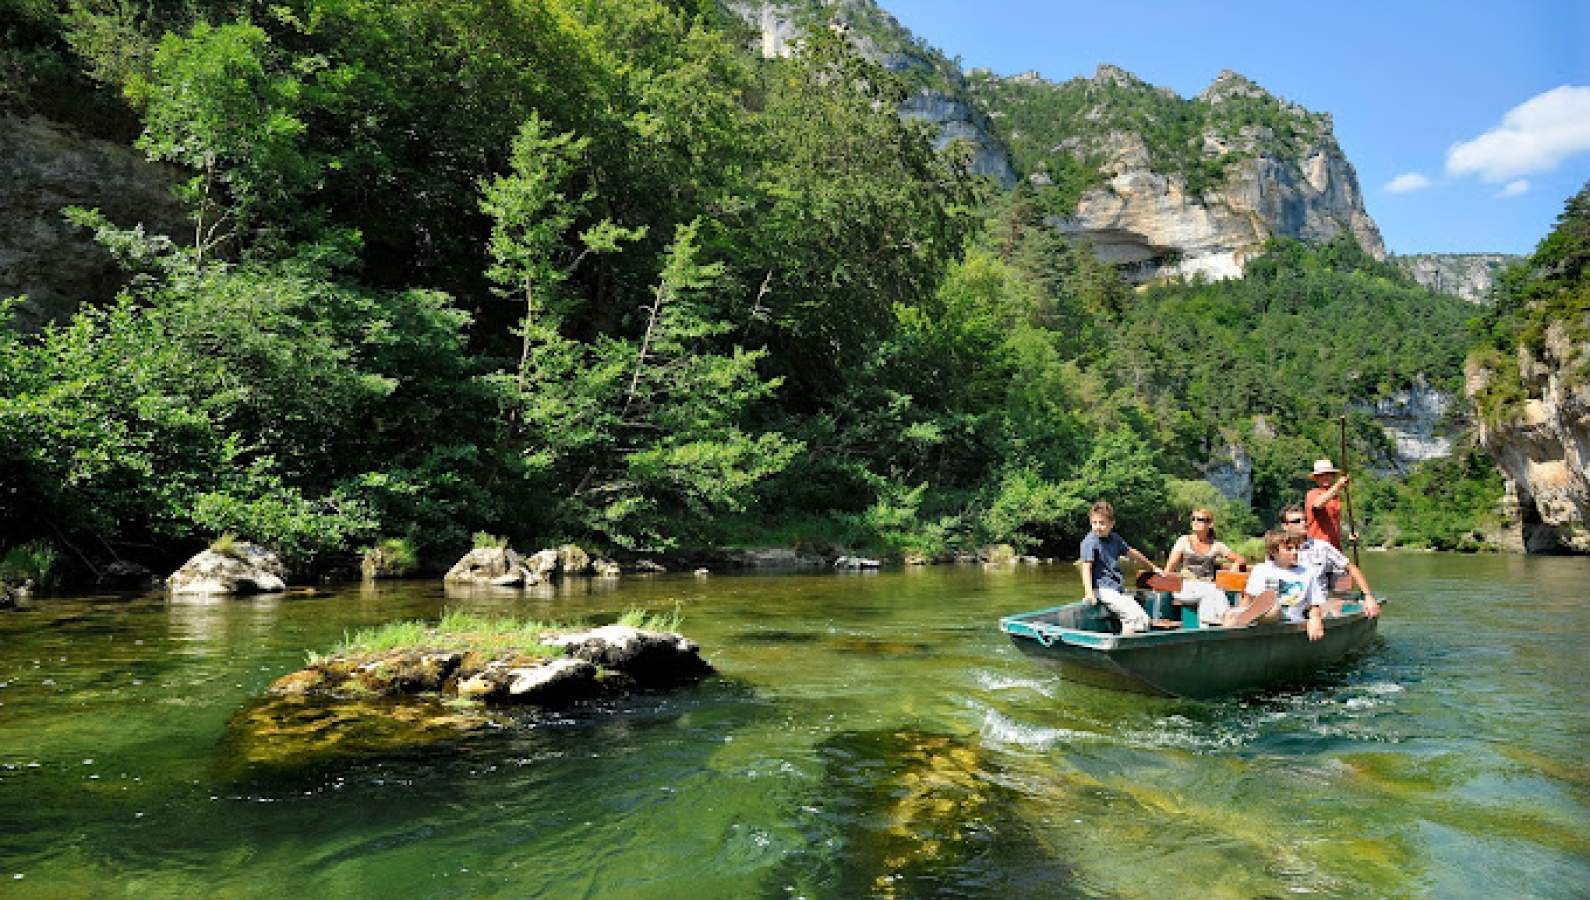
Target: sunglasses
point(1202, 519)
point(1294, 521)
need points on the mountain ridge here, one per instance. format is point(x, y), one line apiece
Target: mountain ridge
point(1160, 185)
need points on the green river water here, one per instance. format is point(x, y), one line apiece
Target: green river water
point(866, 735)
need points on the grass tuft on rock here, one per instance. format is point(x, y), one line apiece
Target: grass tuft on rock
point(464, 632)
point(457, 630)
point(228, 544)
point(636, 617)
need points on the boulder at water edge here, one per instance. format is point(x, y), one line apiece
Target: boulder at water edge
point(242, 568)
point(494, 566)
point(544, 564)
point(572, 560)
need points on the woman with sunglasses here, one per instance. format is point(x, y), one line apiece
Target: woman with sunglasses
point(1198, 556)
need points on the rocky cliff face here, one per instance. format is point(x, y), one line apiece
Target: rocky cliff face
point(1416, 421)
point(1466, 275)
point(1154, 224)
point(45, 167)
point(1153, 210)
point(1544, 449)
point(939, 101)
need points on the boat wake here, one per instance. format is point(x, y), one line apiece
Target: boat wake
point(999, 729)
point(990, 680)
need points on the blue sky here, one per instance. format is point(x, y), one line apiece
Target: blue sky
point(1405, 81)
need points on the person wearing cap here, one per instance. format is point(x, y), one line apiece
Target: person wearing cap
point(1324, 560)
point(1323, 507)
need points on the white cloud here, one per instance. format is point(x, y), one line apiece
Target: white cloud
point(1514, 188)
point(1407, 182)
point(1534, 136)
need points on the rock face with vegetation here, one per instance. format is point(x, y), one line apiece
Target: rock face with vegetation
point(1416, 420)
point(1543, 444)
point(1530, 382)
point(230, 568)
point(44, 168)
point(937, 89)
point(1162, 186)
point(1467, 275)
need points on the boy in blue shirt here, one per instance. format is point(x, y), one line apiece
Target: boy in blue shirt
point(1101, 556)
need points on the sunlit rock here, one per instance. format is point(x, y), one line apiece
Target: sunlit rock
point(240, 568)
point(856, 562)
point(497, 566)
point(573, 561)
point(544, 563)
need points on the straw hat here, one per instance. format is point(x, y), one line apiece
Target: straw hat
point(1324, 467)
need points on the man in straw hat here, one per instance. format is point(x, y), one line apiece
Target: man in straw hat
point(1323, 506)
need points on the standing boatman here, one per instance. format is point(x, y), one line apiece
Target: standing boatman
point(1323, 505)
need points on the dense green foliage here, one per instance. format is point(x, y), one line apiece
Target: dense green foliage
point(1550, 288)
point(1057, 129)
point(618, 283)
point(1445, 504)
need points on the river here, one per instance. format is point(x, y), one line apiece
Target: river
point(866, 735)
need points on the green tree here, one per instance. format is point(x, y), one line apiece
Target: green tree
point(533, 211)
point(214, 102)
point(641, 440)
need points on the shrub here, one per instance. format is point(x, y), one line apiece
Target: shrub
point(486, 541)
point(34, 561)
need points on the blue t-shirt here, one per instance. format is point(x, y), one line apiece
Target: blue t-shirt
point(1105, 555)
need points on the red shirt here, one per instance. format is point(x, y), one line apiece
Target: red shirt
point(1325, 523)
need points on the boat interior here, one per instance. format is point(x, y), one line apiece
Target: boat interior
point(1164, 610)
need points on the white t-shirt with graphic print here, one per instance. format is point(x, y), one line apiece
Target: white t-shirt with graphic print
point(1297, 587)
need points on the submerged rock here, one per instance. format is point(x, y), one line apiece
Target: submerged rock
point(242, 568)
point(293, 731)
point(494, 566)
point(915, 814)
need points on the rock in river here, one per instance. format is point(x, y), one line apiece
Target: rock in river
point(242, 568)
point(492, 565)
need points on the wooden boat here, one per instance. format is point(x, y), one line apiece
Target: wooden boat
point(1083, 641)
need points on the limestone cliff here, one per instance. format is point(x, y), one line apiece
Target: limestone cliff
point(1416, 421)
point(1166, 186)
point(1467, 275)
point(938, 96)
point(1543, 443)
point(45, 167)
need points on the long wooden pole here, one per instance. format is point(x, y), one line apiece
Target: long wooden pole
point(1347, 494)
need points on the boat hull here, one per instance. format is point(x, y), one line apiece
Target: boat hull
point(1200, 663)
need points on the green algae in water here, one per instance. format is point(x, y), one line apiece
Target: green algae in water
point(914, 814)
